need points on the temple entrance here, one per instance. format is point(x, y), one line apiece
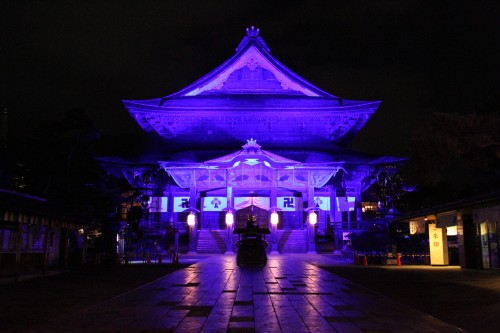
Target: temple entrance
point(213, 221)
point(291, 220)
point(243, 214)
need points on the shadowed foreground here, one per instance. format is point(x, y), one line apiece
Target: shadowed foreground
point(34, 301)
point(290, 294)
point(469, 299)
point(296, 293)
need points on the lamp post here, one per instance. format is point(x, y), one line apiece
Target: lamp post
point(312, 219)
point(191, 222)
point(229, 224)
point(274, 224)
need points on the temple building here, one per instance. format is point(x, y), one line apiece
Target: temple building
point(250, 138)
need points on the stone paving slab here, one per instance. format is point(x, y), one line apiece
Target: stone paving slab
point(289, 294)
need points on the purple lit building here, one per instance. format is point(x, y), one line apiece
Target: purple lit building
point(254, 138)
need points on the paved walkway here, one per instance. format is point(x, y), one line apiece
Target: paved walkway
point(290, 294)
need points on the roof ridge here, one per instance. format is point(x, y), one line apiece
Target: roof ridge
point(253, 34)
point(256, 50)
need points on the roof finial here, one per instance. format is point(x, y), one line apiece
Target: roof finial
point(251, 146)
point(252, 32)
point(252, 36)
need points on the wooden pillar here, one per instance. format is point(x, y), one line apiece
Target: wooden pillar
point(311, 234)
point(170, 207)
point(19, 239)
point(337, 232)
point(45, 259)
point(192, 204)
point(66, 249)
point(358, 203)
point(230, 204)
point(274, 190)
point(230, 197)
point(230, 228)
point(310, 196)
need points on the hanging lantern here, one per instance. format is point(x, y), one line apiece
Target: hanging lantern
point(313, 218)
point(229, 218)
point(191, 219)
point(274, 218)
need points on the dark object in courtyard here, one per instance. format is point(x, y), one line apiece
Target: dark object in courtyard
point(251, 244)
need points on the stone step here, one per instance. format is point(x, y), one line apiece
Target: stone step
point(211, 241)
point(214, 241)
point(292, 241)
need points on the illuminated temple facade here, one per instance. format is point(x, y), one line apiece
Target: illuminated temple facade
point(252, 138)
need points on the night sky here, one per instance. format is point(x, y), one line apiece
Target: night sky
point(418, 57)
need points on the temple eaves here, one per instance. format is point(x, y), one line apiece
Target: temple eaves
point(253, 94)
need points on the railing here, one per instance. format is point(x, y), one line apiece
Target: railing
point(380, 258)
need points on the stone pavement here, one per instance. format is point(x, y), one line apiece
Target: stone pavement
point(289, 294)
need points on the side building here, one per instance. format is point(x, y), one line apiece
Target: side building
point(35, 237)
point(463, 233)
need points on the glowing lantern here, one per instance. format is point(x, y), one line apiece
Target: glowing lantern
point(229, 218)
point(313, 218)
point(274, 218)
point(191, 219)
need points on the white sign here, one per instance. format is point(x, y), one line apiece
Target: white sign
point(158, 205)
point(417, 226)
point(242, 202)
point(181, 204)
point(288, 204)
point(438, 245)
point(214, 204)
point(322, 203)
point(485, 249)
point(345, 204)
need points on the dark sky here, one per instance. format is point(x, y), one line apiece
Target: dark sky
point(418, 57)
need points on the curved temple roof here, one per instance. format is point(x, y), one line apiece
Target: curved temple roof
point(251, 167)
point(252, 70)
point(252, 94)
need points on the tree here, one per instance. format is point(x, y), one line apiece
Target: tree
point(455, 156)
point(60, 161)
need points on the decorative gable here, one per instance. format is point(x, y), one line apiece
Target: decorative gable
point(252, 72)
point(251, 167)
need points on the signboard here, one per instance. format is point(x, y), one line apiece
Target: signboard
point(288, 204)
point(345, 204)
point(214, 204)
point(452, 231)
point(322, 203)
point(438, 245)
point(158, 205)
point(485, 249)
point(242, 202)
point(417, 226)
point(181, 204)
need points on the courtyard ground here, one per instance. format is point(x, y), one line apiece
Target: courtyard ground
point(32, 301)
point(466, 298)
point(469, 299)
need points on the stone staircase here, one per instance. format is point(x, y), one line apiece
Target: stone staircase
point(214, 241)
point(211, 241)
point(292, 241)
